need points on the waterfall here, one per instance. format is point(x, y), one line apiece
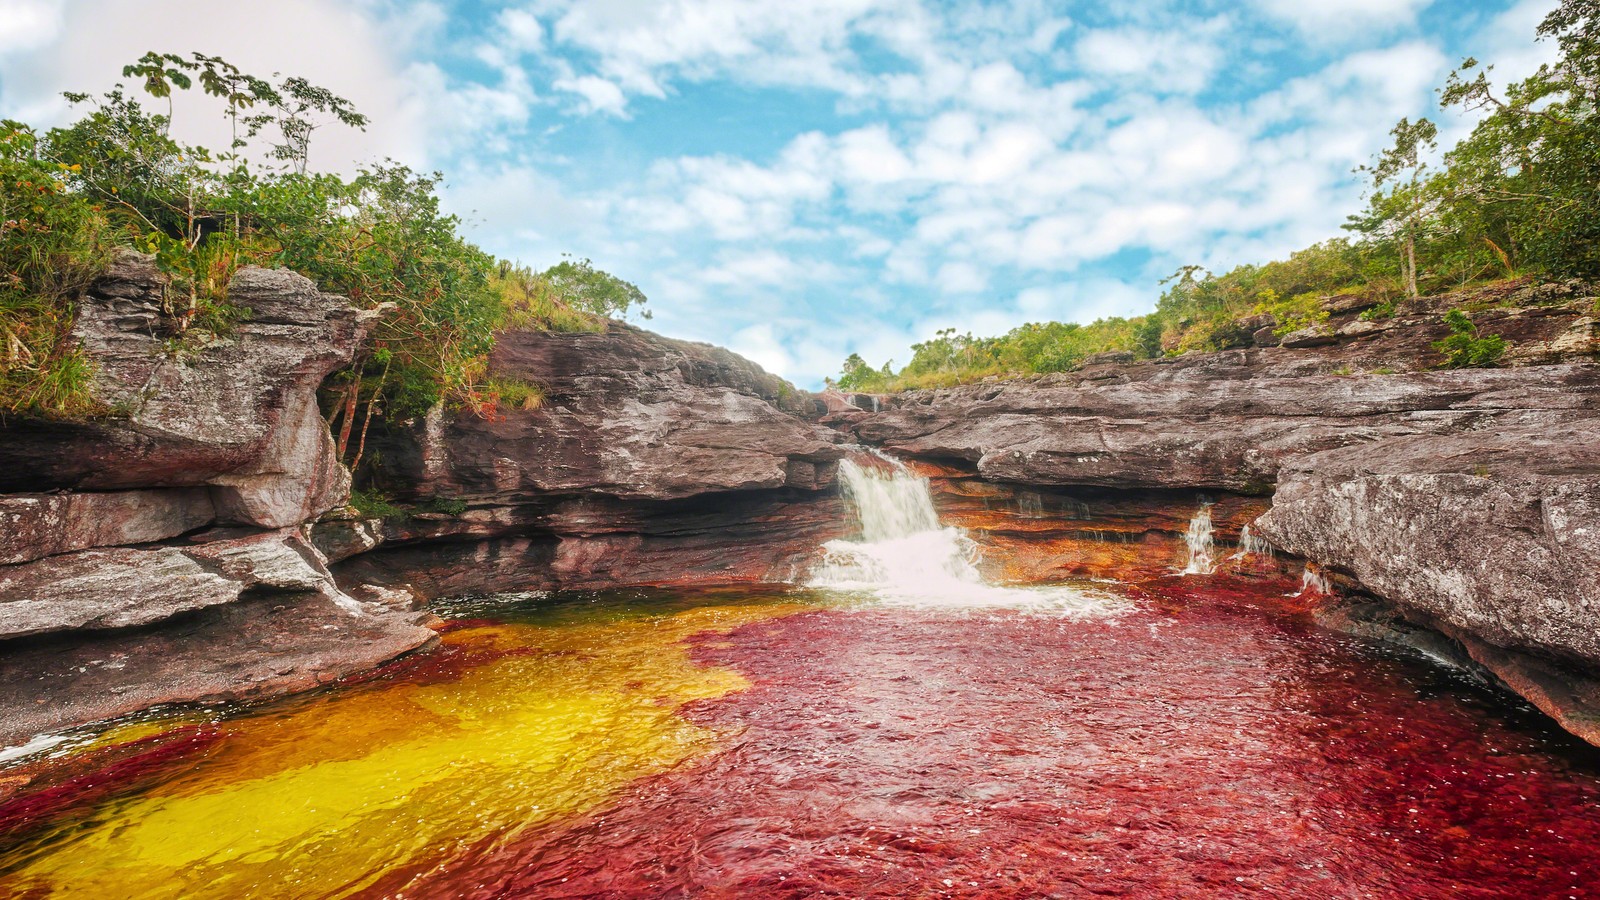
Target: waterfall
point(1250, 545)
point(1314, 581)
point(1202, 548)
point(906, 556)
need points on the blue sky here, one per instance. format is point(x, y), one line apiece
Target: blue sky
point(799, 181)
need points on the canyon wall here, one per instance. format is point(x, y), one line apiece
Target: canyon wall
point(650, 461)
point(191, 542)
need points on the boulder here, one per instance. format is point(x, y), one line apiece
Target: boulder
point(127, 586)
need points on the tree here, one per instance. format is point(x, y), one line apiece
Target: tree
point(1530, 170)
point(1401, 196)
point(582, 286)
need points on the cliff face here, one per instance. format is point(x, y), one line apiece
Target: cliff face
point(1468, 499)
point(158, 553)
point(191, 544)
point(177, 548)
point(650, 461)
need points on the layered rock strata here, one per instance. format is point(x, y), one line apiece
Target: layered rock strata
point(157, 552)
point(1469, 500)
point(650, 461)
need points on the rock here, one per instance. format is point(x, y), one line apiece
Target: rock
point(1345, 305)
point(626, 413)
point(1108, 358)
point(1495, 532)
point(128, 586)
point(237, 414)
point(38, 525)
point(1359, 328)
point(646, 455)
point(1266, 337)
point(1314, 336)
point(260, 647)
point(339, 539)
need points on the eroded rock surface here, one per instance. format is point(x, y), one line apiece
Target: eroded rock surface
point(1469, 499)
point(118, 590)
point(650, 461)
point(235, 414)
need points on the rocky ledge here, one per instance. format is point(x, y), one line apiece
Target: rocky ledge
point(158, 553)
point(1467, 500)
point(649, 462)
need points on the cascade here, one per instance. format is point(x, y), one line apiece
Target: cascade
point(1202, 548)
point(906, 556)
point(1314, 581)
point(1250, 545)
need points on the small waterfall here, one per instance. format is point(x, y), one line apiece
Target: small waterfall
point(1250, 545)
point(1202, 547)
point(1030, 505)
point(907, 557)
point(1314, 581)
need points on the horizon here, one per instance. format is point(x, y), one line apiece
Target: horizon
point(803, 184)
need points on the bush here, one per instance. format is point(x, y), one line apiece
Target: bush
point(1464, 348)
point(53, 242)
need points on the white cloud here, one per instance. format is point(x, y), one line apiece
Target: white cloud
point(27, 24)
point(599, 95)
point(1327, 18)
point(1181, 61)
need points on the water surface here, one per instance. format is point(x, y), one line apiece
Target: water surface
point(1199, 736)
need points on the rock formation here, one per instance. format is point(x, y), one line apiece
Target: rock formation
point(650, 461)
point(1469, 500)
point(156, 553)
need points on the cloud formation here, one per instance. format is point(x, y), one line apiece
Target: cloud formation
point(801, 181)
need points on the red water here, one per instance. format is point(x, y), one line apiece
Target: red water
point(1212, 743)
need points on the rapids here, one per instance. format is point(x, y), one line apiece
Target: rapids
point(897, 729)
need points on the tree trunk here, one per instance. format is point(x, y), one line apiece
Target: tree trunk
point(1411, 266)
point(350, 396)
point(361, 445)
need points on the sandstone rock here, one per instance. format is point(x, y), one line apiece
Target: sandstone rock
point(237, 413)
point(127, 586)
point(38, 525)
point(1226, 421)
point(1495, 533)
point(646, 456)
point(1314, 336)
point(1108, 358)
point(260, 647)
point(1344, 305)
point(628, 414)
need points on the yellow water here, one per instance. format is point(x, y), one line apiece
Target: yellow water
point(324, 796)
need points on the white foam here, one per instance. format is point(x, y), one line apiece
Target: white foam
point(907, 558)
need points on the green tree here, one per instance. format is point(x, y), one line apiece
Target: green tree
point(1401, 196)
point(582, 286)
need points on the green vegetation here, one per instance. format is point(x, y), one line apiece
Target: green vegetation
point(1465, 347)
point(373, 504)
point(117, 179)
point(1520, 195)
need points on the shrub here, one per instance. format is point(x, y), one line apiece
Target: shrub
point(1464, 348)
point(53, 242)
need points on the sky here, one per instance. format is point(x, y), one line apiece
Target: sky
point(800, 181)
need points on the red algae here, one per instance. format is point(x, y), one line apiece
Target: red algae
point(1213, 743)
